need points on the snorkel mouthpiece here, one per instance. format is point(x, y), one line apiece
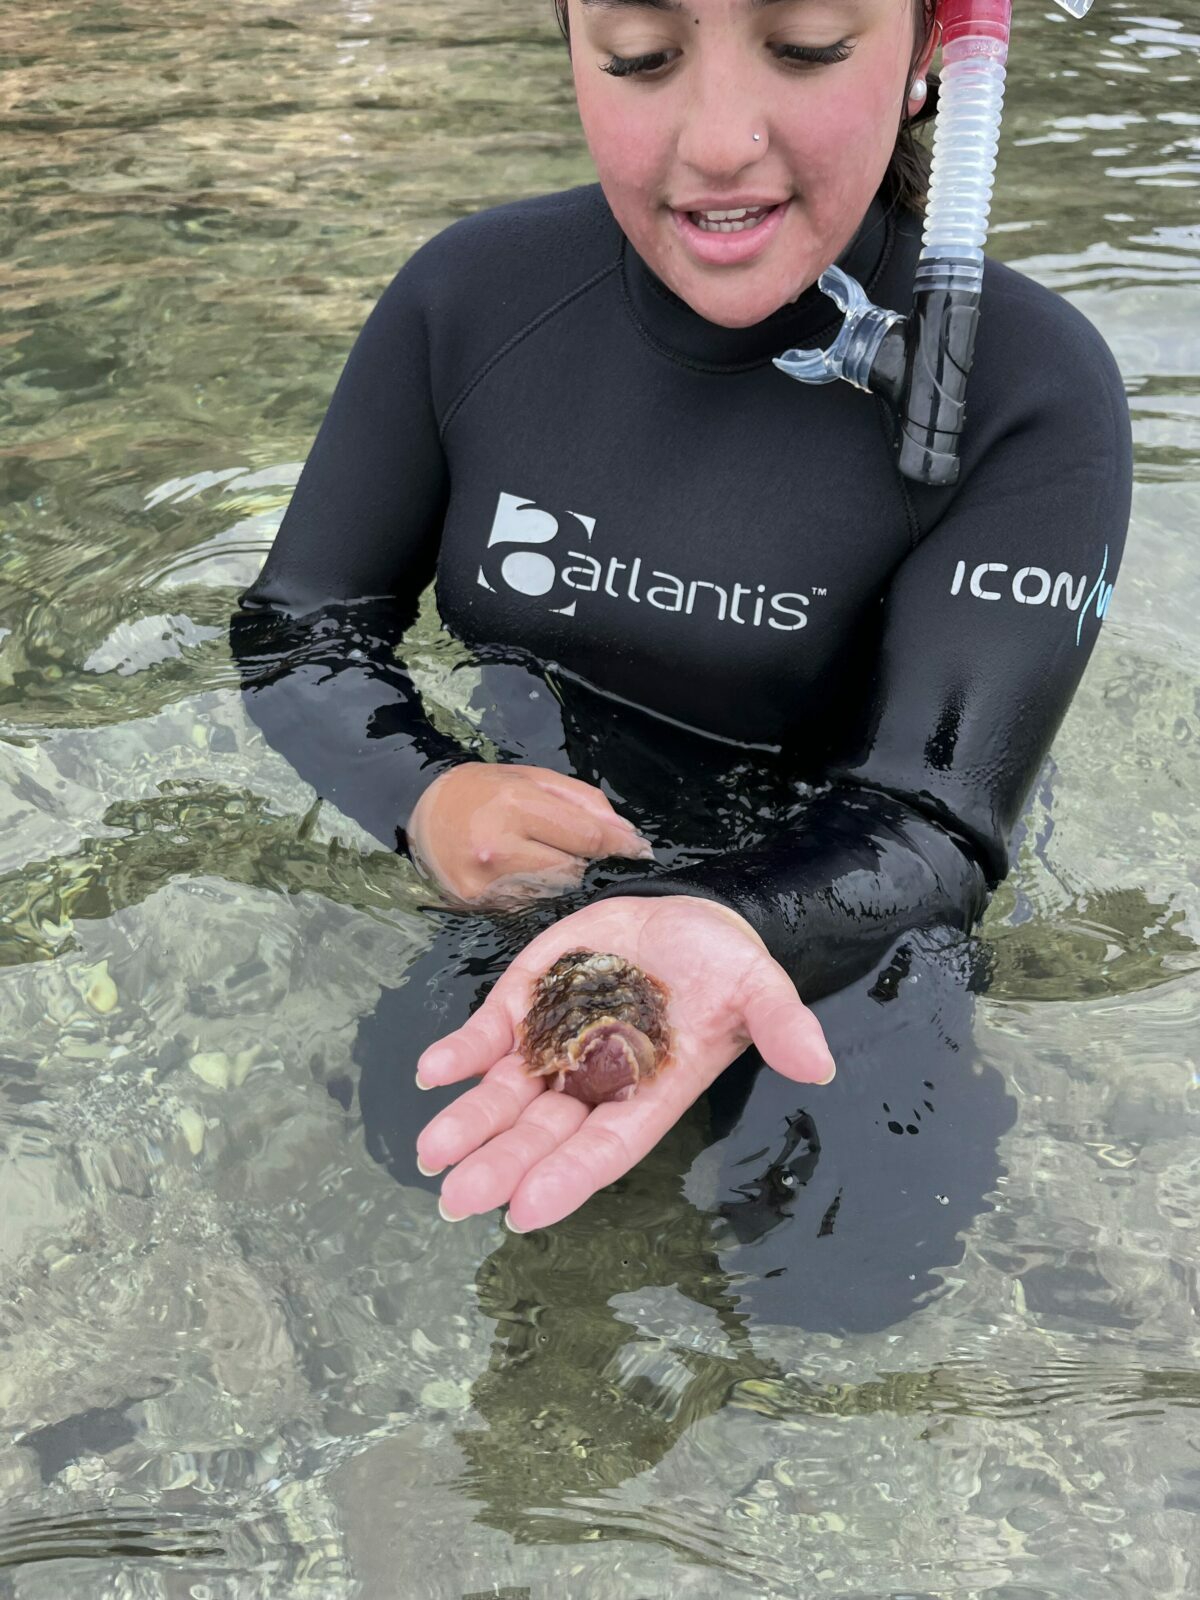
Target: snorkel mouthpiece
point(920, 364)
point(853, 353)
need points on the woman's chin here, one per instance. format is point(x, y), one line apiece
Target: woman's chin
point(733, 304)
point(737, 296)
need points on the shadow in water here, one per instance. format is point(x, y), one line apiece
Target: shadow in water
point(836, 1209)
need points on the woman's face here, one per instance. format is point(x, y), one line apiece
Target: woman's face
point(671, 95)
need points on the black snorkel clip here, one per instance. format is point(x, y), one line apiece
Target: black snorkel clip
point(919, 364)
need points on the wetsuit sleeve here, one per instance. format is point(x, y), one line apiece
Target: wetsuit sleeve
point(317, 635)
point(987, 626)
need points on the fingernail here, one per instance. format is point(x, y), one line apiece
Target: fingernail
point(433, 1060)
point(821, 1082)
point(511, 1225)
point(448, 1216)
point(428, 1172)
point(420, 1085)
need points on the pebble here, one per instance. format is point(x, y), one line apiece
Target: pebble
point(192, 1124)
point(215, 1068)
point(101, 992)
point(212, 1067)
point(443, 1395)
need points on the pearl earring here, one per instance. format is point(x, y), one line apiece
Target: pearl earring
point(919, 90)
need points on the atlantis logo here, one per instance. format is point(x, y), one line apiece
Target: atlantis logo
point(527, 552)
point(1034, 586)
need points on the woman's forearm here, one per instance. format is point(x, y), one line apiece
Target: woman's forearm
point(858, 869)
point(330, 694)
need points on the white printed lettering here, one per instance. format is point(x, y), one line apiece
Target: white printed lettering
point(1062, 586)
point(1034, 586)
point(677, 592)
point(1040, 576)
point(981, 572)
point(535, 573)
point(614, 566)
point(589, 568)
point(777, 604)
point(699, 584)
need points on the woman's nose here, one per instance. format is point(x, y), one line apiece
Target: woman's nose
point(721, 132)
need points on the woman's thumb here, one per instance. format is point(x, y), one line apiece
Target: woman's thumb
point(785, 1032)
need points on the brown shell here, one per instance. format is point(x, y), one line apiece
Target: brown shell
point(597, 1027)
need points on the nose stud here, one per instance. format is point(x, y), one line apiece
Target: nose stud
point(757, 137)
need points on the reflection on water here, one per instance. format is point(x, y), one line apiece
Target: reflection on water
point(159, 1537)
point(237, 1357)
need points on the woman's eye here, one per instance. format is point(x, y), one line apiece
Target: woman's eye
point(807, 55)
point(639, 66)
point(801, 55)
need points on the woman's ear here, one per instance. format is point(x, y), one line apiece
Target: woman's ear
point(921, 69)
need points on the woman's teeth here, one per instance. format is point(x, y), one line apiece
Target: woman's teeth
point(730, 221)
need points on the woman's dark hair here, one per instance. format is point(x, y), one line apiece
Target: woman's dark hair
point(906, 181)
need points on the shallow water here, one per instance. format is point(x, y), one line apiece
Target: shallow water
point(237, 1359)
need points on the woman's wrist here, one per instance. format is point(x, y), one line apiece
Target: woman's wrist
point(732, 915)
point(410, 832)
point(701, 902)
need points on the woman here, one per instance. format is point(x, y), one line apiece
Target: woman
point(566, 410)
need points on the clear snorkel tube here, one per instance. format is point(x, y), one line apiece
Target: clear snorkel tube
point(920, 363)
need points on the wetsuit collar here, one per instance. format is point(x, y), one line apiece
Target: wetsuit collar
point(672, 324)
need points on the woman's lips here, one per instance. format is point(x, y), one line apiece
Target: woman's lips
point(728, 249)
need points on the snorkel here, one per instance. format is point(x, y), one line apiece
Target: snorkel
point(920, 363)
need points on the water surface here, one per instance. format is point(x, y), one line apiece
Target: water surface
point(236, 1359)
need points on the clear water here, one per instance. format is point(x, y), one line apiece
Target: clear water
point(237, 1359)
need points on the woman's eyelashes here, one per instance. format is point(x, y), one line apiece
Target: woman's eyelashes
point(639, 66)
point(802, 56)
point(814, 55)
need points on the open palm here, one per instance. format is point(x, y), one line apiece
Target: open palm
point(510, 1140)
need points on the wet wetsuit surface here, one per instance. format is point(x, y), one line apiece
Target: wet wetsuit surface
point(826, 692)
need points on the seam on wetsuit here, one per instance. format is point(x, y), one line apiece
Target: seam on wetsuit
point(884, 410)
point(887, 423)
point(521, 334)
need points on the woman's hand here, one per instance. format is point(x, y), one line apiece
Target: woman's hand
point(494, 836)
point(513, 1141)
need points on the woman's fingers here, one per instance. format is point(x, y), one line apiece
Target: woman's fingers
point(479, 1115)
point(568, 827)
point(482, 1041)
point(785, 1032)
point(481, 822)
point(613, 1139)
point(585, 795)
point(488, 1177)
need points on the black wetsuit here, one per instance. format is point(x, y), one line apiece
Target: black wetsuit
point(825, 692)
